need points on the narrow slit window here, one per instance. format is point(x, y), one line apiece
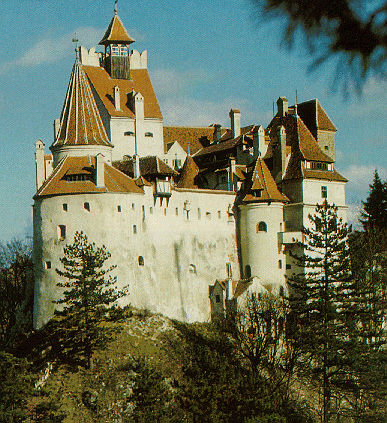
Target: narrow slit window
point(324, 192)
point(61, 232)
point(141, 261)
point(65, 207)
point(119, 209)
point(48, 265)
point(86, 206)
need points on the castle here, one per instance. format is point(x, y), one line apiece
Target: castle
point(192, 216)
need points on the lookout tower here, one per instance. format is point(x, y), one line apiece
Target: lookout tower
point(116, 41)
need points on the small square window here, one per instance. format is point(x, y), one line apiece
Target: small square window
point(326, 147)
point(288, 266)
point(65, 207)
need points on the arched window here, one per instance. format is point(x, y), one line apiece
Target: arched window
point(247, 272)
point(261, 227)
point(140, 260)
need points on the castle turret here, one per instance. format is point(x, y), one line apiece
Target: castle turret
point(116, 41)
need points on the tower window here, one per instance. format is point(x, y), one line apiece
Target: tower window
point(115, 51)
point(124, 51)
point(61, 232)
point(279, 264)
point(48, 265)
point(134, 229)
point(217, 298)
point(148, 134)
point(140, 260)
point(86, 206)
point(247, 272)
point(119, 209)
point(219, 214)
point(324, 192)
point(262, 227)
point(208, 215)
point(177, 211)
point(199, 214)
point(192, 268)
point(65, 207)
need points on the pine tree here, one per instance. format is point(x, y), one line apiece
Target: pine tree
point(323, 302)
point(86, 297)
point(375, 207)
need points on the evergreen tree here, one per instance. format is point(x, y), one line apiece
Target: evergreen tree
point(324, 302)
point(375, 207)
point(86, 297)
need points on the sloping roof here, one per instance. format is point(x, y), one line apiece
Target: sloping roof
point(314, 116)
point(187, 135)
point(298, 137)
point(262, 180)
point(188, 173)
point(80, 122)
point(116, 33)
point(104, 85)
point(149, 166)
point(57, 183)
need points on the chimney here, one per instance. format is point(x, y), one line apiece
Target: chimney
point(259, 141)
point(232, 173)
point(282, 106)
point(136, 166)
point(279, 154)
point(40, 165)
point(117, 100)
point(100, 171)
point(217, 135)
point(235, 116)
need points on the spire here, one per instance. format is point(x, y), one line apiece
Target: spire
point(115, 7)
point(80, 122)
point(116, 33)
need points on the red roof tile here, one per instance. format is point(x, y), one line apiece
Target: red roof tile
point(139, 82)
point(188, 174)
point(57, 183)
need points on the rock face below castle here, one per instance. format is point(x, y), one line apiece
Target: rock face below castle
point(194, 217)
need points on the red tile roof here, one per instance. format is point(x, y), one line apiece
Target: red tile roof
point(139, 82)
point(116, 33)
point(314, 116)
point(262, 180)
point(80, 122)
point(57, 183)
point(149, 166)
point(188, 174)
point(187, 135)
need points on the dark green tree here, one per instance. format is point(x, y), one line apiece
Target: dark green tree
point(324, 303)
point(375, 207)
point(353, 31)
point(86, 297)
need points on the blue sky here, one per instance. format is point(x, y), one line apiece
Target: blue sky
point(204, 58)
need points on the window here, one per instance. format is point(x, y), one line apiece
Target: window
point(199, 214)
point(151, 210)
point(140, 260)
point(133, 206)
point(119, 209)
point(324, 192)
point(288, 266)
point(86, 206)
point(208, 215)
point(176, 162)
point(261, 227)
point(129, 133)
point(219, 214)
point(48, 265)
point(229, 270)
point(247, 272)
point(148, 134)
point(165, 212)
point(217, 298)
point(223, 180)
point(279, 264)
point(192, 268)
point(124, 51)
point(281, 291)
point(134, 229)
point(61, 232)
point(115, 51)
point(177, 211)
point(326, 147)
point(143, 213)
point(65, 207)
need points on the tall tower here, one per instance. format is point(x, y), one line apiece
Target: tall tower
point(116, 41)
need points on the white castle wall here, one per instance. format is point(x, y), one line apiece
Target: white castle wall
point(182, 255)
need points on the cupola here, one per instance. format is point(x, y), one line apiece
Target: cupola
point(116, 41)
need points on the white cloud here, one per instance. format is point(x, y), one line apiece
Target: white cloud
point(49, 50)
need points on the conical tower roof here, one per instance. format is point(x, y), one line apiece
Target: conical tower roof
point(80, 122)
point(263, 181)
point(116, 33)
point(188, 174)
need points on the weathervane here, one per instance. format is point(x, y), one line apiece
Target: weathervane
point(75, 40)
point(115, 7)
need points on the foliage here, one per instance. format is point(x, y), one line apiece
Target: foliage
point(16, 291)
point(15, 386)
point(324, 303)
point(354, 31)
point(86, 297)
point(375, 207)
